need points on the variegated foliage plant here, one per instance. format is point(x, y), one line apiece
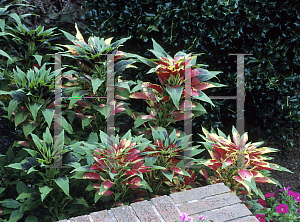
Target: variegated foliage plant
point(238, 164)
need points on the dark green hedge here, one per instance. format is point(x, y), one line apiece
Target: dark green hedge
point(268, 30)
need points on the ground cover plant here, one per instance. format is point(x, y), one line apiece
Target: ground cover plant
point(133, 167)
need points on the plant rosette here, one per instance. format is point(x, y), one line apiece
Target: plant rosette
point(166, 102)
point(238, 164)
point(118, 168)
point(271, 210)
point(168, 158)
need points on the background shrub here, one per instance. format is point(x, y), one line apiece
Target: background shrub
point(268, 30)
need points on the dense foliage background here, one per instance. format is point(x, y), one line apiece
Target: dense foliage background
point(269, 30)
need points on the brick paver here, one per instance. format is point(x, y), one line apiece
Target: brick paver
point(215, 201)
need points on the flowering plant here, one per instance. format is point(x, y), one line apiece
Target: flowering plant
point(184, 217)
point(271, 210)
point(237, 164)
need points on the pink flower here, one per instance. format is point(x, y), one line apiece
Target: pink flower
point(260, 217)
point(298, 211)
point(185, 217)
point(290, 193)
point(281, 208)
point(269, 195)
point(201, 217)
point(262, 202)
point(296, 196)
point(284, 188)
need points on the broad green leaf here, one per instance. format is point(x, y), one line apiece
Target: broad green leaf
point(11, 204)
point(48, 114)
point(96, 83)
point(139, 121)
point(80, 201)
point(15, 166)
point(158, 50)
point(149, 161)
point(78, 95)
point(4, 54)
point(15, 216)
point(33, 153)
point(21, 187)
point(1, 190)
point(63, 183)
point(23, 196)
point(20, 117)
point(34, 108)
point(175, 93)
point(44, 191)
point(16, 17)
point(85, 121)
point(38, 59)
point(93, 138)
point(67, 126)
point(12, 106)
point(28, 128)
point(31, 218)
point(37, 141)
point(47, 136)
point(169, 174)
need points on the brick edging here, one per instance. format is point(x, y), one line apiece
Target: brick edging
point(215, 201)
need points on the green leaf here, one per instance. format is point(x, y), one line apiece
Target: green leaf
point(158, 50)
point(67, 126)
point(16, 17)
point(15, 216)
point(24, 196)
point(38, 59)
point(34, 108)
point(33, 153)
point(85, 121)
point(11, 204)
point(175, 93)
point(47, 136)
point(152, 28)
point(28, 128)
point(48, 114)
point(63, 183)
point(37, 141)
point(20, 117)
point(78, 95)
point(139, 121)
point(96, 83)
point(31, 218)
point(149, 161)
point(21, 187)
point(1, 190)
point(15, 166)
point(44, 191)
point(12, 106)
point(93, 138)
point(169, 174)
point(80, 201)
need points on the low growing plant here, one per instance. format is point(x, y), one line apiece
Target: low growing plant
point(237, 164)
point(287, 210)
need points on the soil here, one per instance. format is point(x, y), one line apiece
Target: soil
point(287, 159)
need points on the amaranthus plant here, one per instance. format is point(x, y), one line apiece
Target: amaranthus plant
point(170, 155)
point(272, 210)
point(167, 101)
point(88, 78)
point(117, 167)
point(237, 164)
